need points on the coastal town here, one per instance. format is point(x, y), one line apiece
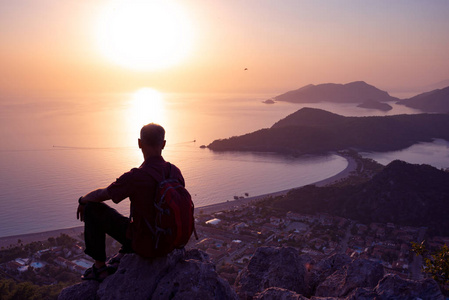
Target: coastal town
point(230, 233)
point(231, 237)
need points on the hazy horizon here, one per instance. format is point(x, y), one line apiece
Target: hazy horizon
point(70, 47)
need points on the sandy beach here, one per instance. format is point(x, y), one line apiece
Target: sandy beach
point(40, 236)
point(209, 209)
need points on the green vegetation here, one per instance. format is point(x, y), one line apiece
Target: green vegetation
point(11, 290)
point(37, 283)
point(366, 169)
point(401, 193)
point(436, 264)
point(65, 240)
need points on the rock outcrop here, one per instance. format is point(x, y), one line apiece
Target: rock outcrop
point(271, 274)
point(393, 286)
point(274, 293)
point(359, 273)
point(272, 267)
point(280, 273)
point(324, 268)
point(180, 275)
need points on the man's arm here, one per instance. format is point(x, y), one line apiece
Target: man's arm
point(98, 195)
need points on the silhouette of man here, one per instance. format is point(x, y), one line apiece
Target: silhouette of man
point(140, 187)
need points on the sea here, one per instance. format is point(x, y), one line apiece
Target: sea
point(56, 148)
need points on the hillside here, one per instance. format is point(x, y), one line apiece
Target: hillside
point(354, 92)
point(436, 101)
point(402, 193)
point(315, 131)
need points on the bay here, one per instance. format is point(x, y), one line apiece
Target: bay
point(55, 149)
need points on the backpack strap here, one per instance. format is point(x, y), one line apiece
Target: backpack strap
point(156, 176)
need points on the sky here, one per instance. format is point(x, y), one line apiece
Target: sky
point(74, 47)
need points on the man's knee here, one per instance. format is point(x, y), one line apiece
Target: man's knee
point(93, 209)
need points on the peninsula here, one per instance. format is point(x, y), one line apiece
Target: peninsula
point(316, 131)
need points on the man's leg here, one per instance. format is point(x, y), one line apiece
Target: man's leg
point(99, 220)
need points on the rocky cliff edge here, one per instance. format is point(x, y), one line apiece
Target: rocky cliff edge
point(272, 273)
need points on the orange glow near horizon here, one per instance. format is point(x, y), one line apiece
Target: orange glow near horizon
point(115, 46)
point(144, 35)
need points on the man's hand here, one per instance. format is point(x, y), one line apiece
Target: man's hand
point(80, 212)
point(98, 195)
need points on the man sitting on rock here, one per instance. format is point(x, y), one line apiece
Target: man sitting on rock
point(139, 185)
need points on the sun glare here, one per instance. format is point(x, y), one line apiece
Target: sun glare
point(144, 35)
point(147, 106)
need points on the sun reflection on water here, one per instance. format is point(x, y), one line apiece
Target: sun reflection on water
point(147, 105)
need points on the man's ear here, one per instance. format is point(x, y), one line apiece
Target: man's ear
point(163, 144)
point(140, 143)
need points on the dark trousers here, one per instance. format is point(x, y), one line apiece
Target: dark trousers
point(99, 220)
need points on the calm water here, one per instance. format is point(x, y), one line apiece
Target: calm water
point(55, 149)
point(435, 154)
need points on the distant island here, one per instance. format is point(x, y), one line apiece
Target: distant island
point(316, 131)
point(373, 104)
point(354, 92)
point(268, 101)
point(436, 101)
point(366, 96)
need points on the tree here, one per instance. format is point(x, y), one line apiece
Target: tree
point(436, 264)
point(65, 240)
point(51, 241)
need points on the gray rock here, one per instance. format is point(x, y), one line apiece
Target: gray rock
point(272, 267)
point(272, 273)
point(362, 294)
point(394, 287)
point(178, 276)
point(137, 277)
point(193, 279)
point(324, 268)
point(85, 290)
point(358, 274)
point(274, 293)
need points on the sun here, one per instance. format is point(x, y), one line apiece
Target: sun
point(144, 35)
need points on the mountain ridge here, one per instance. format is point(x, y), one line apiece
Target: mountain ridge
point(436, 101)
point(316, 131)
point(402, 193)
point(353, 92)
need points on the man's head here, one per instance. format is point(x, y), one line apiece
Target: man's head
point(152, 138)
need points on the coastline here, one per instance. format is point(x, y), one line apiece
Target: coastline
point(38, 236)
point(208, 209)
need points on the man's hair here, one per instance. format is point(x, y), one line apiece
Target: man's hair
point(152, 134)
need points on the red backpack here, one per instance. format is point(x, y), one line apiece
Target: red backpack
point(173, 221)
